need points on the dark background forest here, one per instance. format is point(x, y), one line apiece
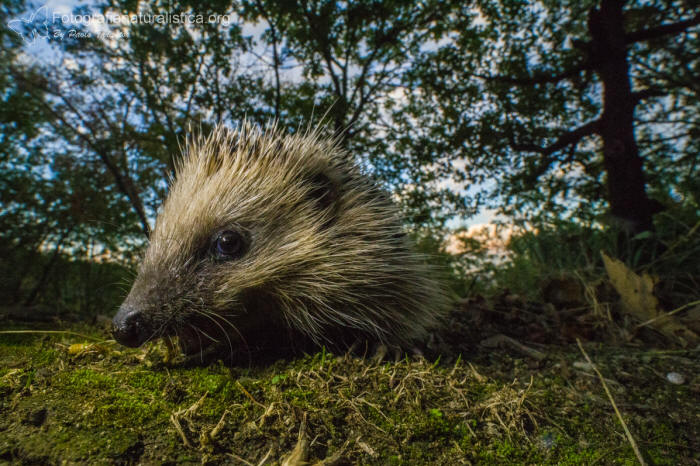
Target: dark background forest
point(567, 127)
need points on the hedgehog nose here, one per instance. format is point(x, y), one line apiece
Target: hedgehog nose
point(129, 327)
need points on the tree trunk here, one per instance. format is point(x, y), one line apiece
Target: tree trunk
point(625, 177)
point(41, 284)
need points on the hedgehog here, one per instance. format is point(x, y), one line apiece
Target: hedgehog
point(265, 234)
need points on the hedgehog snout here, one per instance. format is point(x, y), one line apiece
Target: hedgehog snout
point(130, 327)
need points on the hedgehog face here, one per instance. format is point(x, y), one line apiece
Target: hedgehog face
point(263, 231)
point(241, 223)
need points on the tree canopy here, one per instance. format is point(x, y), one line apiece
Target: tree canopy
point(570, 106)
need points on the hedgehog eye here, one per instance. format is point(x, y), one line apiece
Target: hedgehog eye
point(229, 245)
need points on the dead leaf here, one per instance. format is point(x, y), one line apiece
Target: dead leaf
point(638, 300)
point(692, 319)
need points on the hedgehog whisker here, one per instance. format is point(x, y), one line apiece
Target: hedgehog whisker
point(201, 346)
point(213, 319)
point(211, 338)
point(199, 339)
point(160, 330)
point(235, 329)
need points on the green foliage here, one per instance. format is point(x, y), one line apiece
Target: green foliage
point(61, 285)
point(456, 270)
point(568, 249)
point(552, 251)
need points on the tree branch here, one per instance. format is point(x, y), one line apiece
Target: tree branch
point(540, 78)
point(275, 57)
point(566, 139)
point(638, 96)
point(663, 30)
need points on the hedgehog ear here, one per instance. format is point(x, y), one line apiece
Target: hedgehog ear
point(323, 191)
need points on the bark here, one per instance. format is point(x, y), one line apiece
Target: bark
point(625, 176)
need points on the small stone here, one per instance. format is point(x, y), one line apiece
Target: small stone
point(675, 378)
point(583, 365)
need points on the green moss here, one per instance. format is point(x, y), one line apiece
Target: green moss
point(104, 406)
point(87, 381)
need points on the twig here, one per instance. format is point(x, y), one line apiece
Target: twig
point(242, 460)
point(220, 425)
point(250, 397)
point(668, 314)
point(503, 340)
point(186, 413)
point(65, 332)
point(264, 458)
point(178, 428)
point(679, 241)
point(300, 453)
point(612, 401)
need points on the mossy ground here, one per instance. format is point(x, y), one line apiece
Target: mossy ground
point(98, 403)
